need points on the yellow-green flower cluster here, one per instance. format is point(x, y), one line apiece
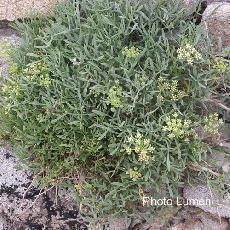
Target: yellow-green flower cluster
point(169, 90)
point(38, 71)
point(132, 52)
point(134, 174)
point(96, 90)
point(198, 147)
point(188, 54)
point(13, 69)
point(5, 48)
point(45, 81)
point(10, 88)
point(7, 108)
point(220, 66)
point(141, 146)
point(6, 88)
point(177, 127)
point(140, 80)
point(40, 118)
point(212, 124)
point(115, 96)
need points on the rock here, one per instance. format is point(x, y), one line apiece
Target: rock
point(110, 223)
point(21, 204)
point(162, 218)
point(117, 224)
point(216, 19)
point(196, 2)
point(203, 197)
point(218, 159)
point(195, 219)
point(189, 225)
point(192, 3)
point(13, 9)
point(203, 223)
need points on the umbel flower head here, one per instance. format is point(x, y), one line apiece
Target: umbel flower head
point(220, 66)
point(5, 48)
point(188, 54)
point(8, 89)
point(212, 124)
point(115, 96)
point(141, 146)
point(132, 52)
point(134, 174)
point(169, 90)
point(178, 128)
point(38, 71)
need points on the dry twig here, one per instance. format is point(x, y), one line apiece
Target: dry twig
point(217, 102)
point(199, 168)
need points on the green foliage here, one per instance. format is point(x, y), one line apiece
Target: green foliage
point(109, 90)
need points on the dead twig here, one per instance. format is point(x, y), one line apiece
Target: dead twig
point(199, 168)
point(222, 94)
point(217, 102)
point(37, 197)
point(31, 184)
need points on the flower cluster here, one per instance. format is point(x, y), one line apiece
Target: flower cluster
point(96, 90)
point(38, 71)
point(7, 108)
point(220, 66)
point(134, 174)
point(178, 128)
point(139, 145)
point(45, 80)
point(188, 54)
point(5, 48)
point(14, 69)
point(7, 89)
point(132, 52)
point(40, 118)
point(212, 124)
point(170, 89)
point(10, 90)
point(140, 80)
point(115, 96)
point(198, 146)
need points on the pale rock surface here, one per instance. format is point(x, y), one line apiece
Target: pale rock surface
point(14, 9)
point(203, 221)
point(192, 218)
point(191, 2)
point(216, 19)
point(23, 206)
point(220, 206)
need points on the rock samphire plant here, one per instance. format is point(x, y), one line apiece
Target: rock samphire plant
point(104, 97)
